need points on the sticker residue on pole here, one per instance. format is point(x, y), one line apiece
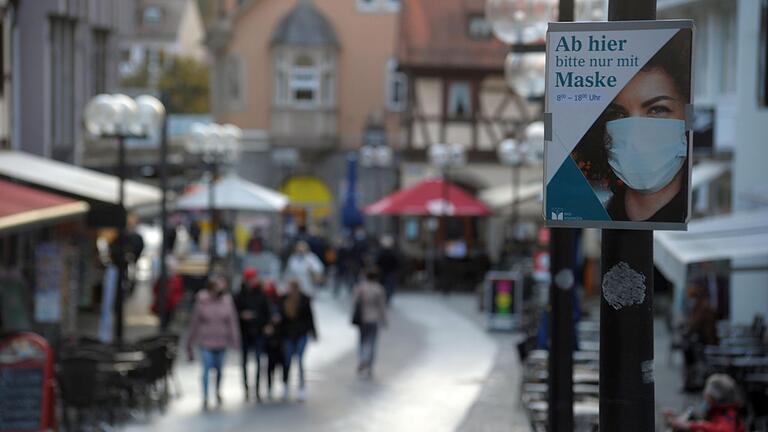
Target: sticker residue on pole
point(623, 286)
point(646, 368)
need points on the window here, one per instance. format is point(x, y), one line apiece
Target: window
point(478, 27)
point(392, 5)
point(233, 91)
point(62, 60)
point(305, 78)
point(367, 5)
point(763, 53)
point(397, 87)
point(304, 81)
point(378, 5)
point(99, 61)
point(459, 100)
point(152, 15)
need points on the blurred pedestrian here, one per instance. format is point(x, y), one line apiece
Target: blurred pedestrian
point(345, 272)
point(370, 312)
point(273, 344)
point(388, 263)
point(721, 412)
point(213, 328)
point(304, 267)
point(298, 324)
point(174, 293)
point(700, 330)
point(253, 311)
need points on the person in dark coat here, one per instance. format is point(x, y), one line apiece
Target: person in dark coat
point(701, 330)
point(297, 325)
point(273, 338)
point(388, 264)
point(253, 311)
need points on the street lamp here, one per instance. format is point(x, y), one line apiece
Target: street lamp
point(216, 144)
point(519, 23)
point(377, 157)
point(513, 153)
point(524, 73)
point(120, 117)
point(444, 157)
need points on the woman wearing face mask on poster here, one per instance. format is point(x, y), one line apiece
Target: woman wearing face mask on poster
point(639, 148)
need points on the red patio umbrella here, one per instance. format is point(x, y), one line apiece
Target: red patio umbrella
point(429, 198)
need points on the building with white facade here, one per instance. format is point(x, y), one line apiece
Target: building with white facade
point(730, 80)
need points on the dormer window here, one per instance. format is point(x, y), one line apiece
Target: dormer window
point(304, 78)
point(305, 81)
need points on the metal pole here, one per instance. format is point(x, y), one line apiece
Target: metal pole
point(212, 216)
point(560, 412)
point(163, 165)
point(121, 233)
point(626, 334)
point(515, 196)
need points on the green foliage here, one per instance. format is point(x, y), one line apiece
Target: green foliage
point(185, 82)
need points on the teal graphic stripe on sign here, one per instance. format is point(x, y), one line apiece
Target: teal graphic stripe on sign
point(570, 197)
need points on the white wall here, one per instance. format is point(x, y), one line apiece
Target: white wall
point(749, 293)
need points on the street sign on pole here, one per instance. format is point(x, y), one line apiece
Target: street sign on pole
point(618, 106)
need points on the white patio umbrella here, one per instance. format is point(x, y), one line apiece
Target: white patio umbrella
point(234, 193)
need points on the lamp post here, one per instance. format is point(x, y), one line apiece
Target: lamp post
point(517, 23)
point(376, 156)
point(117, 116)
point(444, 157)
point(216, 144)
point(512, 154)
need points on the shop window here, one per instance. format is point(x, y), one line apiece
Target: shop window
point(459, 100)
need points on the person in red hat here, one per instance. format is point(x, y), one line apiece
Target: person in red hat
point(254, 313)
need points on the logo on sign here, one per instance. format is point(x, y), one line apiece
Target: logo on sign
point(440, 207)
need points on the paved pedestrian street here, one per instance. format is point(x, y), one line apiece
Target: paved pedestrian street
point(435, 372)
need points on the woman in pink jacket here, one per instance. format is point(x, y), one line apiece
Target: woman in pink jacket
point(213, 328)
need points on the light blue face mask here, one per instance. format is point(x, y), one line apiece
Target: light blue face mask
point(646, 153)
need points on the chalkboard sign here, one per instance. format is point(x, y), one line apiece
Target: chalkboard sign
point(25, 383)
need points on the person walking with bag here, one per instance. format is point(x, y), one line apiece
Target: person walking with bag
point(213, 328)
point(297, 325)
point(370, 312)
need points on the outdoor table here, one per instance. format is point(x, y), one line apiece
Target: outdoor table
point(586, 389)
point(586, 377)
point(589, 346)
point(586, 356)
point(129, 356)
point(750, 362)
point(118, 368)
point(757, 378)
point(732, 351)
